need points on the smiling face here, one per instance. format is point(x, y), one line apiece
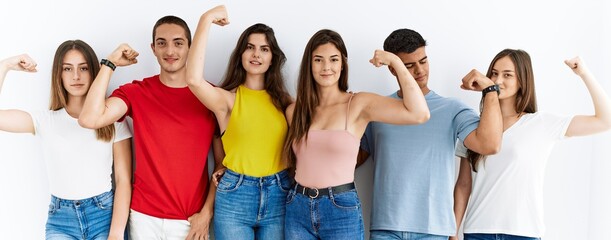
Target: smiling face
point(257, 57)
point(76, 76)
point(170, 47)
point(504, 74)
point(326, 64)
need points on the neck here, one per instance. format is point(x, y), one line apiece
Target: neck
point(508, 107)
point(174, 79)
point(328, 95)
point(74, 106)
point(255, 82)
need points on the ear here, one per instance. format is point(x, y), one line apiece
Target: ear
point(153, 47)
point(392, 70)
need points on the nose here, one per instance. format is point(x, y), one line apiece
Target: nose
point(256, 53)
point(417, 69)
point(496, 79)
point(77, 75)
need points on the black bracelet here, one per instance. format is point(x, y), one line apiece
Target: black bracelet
point(494, 87)
point(108, 63)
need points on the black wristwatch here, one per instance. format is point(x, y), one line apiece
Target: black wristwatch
point(108, 64)
point(491, 88)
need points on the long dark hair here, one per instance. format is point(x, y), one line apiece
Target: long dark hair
point(274, 79)
point(307, 93)
point(59, 95)
point(526, 99)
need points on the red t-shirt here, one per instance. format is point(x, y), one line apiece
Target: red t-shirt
point(172, 135)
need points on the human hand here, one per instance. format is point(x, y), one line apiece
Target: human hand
point(21, 62)
point(124, 55)
point(217, 175)
point(200, 226)
point(218, 15)
point(381, 58)
point(577, 65)
point(453, 238)
point(475, 81)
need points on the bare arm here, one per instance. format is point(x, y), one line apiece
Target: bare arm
point(486, 138)
point(462, 190)
point(601, 120)
point(98, 111)
point(411, 110)
point(216, 99)
point(12, 120)
point(200, 222)
point(122, 154)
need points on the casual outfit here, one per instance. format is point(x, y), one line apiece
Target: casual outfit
point(414, 169)
point(507, 195)
point(173, 131)
point(250, 198)
point(324, 203)
point(79, 167)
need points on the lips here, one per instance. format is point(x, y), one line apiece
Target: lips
point(255, 62)
point(77, 85)
point(171, 60)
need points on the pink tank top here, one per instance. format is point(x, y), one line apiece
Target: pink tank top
point(327, 158)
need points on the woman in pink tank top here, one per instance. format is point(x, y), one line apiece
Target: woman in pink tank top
point(326, 124)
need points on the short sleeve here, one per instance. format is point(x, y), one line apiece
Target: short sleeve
point(460, 150)
point(465, 121)
point(39, 118)
point(122, 93)
point(122, 131)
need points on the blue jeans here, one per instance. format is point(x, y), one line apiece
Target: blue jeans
point(248, 207)
point(334, 216)
point(398, 235)
point(80, 219)
point(483, 236)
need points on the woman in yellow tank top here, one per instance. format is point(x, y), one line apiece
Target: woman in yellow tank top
point(249, 107)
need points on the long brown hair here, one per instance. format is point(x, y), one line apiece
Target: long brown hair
point(59, 95)
point(274, 79)
point(307, 93)
point(526, 99)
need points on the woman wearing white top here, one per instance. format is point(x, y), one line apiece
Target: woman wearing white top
point(507, 197)
point(79, 161)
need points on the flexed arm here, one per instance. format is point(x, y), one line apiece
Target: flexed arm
point(16, 120)
point(486, 138)
point(601, 120)
point(214, 98)
point(411, 110)
point(98, 111)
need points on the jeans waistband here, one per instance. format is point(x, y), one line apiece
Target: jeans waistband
point(319, 192)
point(92, 200)
point(269, 179)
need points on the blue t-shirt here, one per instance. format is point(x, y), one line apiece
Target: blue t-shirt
point(415, 168)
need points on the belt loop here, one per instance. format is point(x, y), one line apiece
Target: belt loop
point(57, 202)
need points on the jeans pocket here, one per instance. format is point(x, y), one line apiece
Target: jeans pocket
point(346, 200)
point(290, 196)
point(228, 183)
point(105, 200)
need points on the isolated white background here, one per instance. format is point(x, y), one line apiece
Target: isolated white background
point(461, 35)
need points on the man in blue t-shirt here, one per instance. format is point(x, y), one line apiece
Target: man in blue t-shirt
point(414, 164)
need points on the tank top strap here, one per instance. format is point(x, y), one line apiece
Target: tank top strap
point(348, 111)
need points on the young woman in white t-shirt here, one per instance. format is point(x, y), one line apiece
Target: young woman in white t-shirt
point(79, 161)
point(506, 200)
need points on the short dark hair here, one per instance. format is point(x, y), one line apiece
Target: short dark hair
point(173, 20)
point(403, 40)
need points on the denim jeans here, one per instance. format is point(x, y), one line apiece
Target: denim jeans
point(248, 207)
point(80, 219)
point(334, 216)
point(483, 236)
point(398, 235)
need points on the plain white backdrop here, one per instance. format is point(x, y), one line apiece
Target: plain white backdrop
point(461, 35)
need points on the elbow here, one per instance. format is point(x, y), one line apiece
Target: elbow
point(86, 123)
point(423, 117)
point(493, 147)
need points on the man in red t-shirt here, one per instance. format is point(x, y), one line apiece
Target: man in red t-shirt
point(173, 132)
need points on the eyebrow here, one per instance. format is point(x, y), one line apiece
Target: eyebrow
point(70, 64)
point(266, 45)
point(503, 70)
point(323, 57)
point(424, 58)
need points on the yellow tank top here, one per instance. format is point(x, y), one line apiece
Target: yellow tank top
point(255, 134)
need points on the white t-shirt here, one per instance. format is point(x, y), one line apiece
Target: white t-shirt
point(78, 165)
point(507, 195)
